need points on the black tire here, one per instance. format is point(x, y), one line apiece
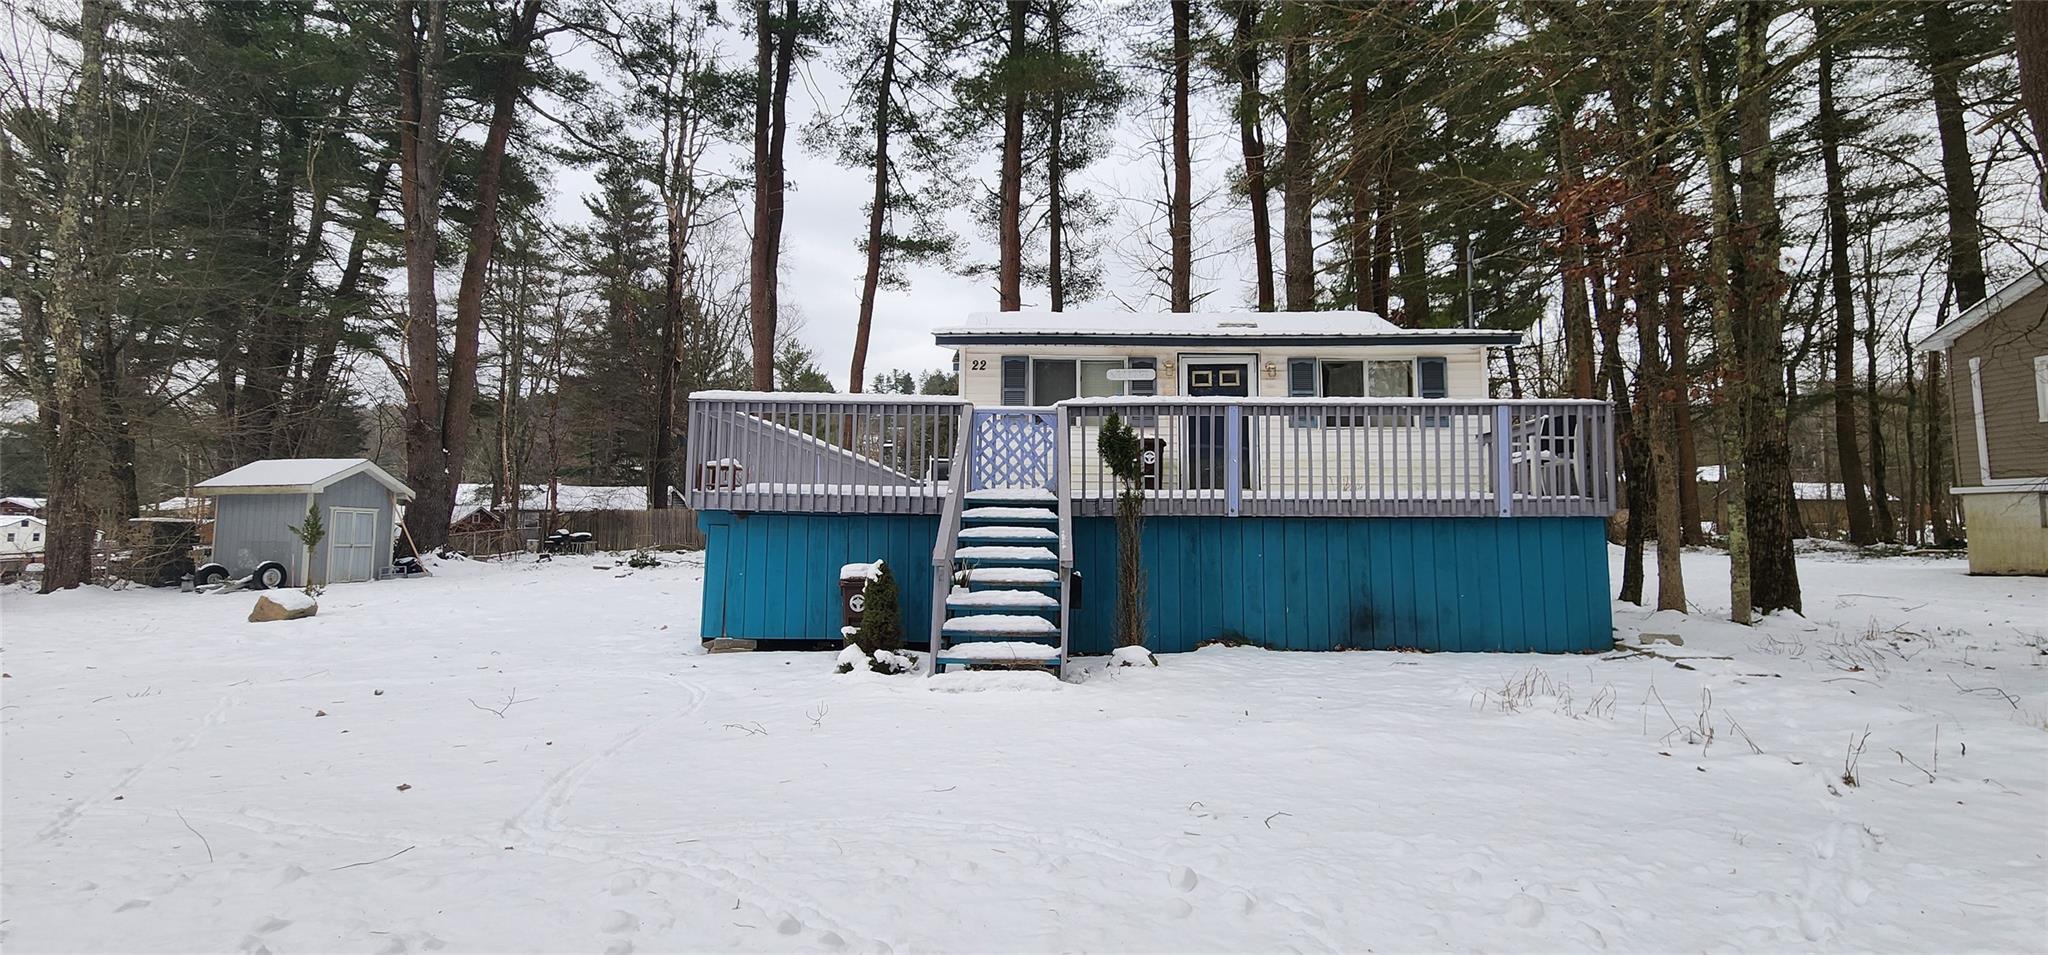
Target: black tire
point(269, 574)
point(210, 574)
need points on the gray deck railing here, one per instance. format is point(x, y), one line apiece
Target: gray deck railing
point(853, 454)
point(1277, 457)
point(1359, 457)
point(949, 534)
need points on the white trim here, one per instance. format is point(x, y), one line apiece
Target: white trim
point(2037, 485)
point(1977, 408)
point(2041, 388)
point(1941, 338)
point(1031, 375)
point(207, 488)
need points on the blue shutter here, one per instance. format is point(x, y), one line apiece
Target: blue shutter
point(1016, 379)
point(1301, 383)
point(1432, 377)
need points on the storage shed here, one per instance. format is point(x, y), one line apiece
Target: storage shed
point(258, 504)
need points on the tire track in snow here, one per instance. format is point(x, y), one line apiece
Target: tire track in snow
point(541, 817)
point(70, 814)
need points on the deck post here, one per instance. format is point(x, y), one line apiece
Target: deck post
point(1503, 461)
point(1233, 460)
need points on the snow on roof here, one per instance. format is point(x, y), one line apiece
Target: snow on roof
point(1142, 325)
point(568, 497)
point(288, 475)
point(34, 502)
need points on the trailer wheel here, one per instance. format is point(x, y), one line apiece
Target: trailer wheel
point(269, 575)
point(210, 574)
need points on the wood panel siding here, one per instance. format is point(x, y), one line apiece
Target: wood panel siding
point(1443, 584)
point(2004, 348)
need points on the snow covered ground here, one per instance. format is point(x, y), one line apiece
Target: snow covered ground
point(534, 757)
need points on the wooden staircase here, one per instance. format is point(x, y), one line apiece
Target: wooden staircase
point(1003, 559)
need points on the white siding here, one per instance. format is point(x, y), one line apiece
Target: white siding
point(981, 366)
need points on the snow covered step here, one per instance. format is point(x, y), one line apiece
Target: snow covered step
point(1009, 515)
point(1042, 497)
point(1001, 625)
point(1008, 578)
point(1001, 601)
point(1004, 534)
point(1009, 556)
point(1000, 652)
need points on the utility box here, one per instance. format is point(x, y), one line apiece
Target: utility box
point(853, 585)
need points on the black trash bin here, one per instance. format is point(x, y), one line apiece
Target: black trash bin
point(853, 585)
point(1151, 458)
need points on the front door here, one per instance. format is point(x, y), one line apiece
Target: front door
point(352, 542)
point(1206, 437)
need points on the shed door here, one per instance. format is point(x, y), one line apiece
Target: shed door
point(352, 545)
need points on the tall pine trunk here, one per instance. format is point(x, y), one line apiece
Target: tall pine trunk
point(1846, 450)
point(1297, 207)
point(67, 554)
point(774, 53)
point(878, 208)
point(420, 49)
point(1010, 180)
point(1941, 30)
point(1774, 571)
point(1055, 177)
point(1180, 216)
point(2030, 42)
point(1252, 142)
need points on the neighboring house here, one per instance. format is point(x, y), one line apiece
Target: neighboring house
point(1025, 358)
point(1311, 482)
point(473, 512)
point(256, 506)
point(21, 535)
point(18, 506)
point(1821, 508)
point(1998, 404)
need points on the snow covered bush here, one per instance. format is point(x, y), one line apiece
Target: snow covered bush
point(881, 620)
point(886, 662)
point(1124, 454)
point(642, 558)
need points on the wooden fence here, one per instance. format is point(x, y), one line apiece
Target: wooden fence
point(669, 529)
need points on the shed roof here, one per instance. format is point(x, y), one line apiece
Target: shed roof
point(1332, 328)
point(2019, 288)
point(296, 475)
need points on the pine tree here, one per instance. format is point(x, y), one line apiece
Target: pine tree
point(1124, 454)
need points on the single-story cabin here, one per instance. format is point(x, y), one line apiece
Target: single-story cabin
point(1998, 410)
point(1312, 482)
point(257, 505)
point(22, 506)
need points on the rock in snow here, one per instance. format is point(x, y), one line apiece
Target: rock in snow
point(283, 605)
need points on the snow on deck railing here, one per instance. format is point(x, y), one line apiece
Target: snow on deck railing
point(1228, 456)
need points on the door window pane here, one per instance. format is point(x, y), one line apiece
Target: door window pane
point(1051, 380)
point(1391, 379)
point(1095, 381)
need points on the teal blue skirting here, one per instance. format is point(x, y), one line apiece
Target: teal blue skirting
point(1444, 584)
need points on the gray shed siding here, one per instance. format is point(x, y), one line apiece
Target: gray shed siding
point(250, 529)
point(361, 491)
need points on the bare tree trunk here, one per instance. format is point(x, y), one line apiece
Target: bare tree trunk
point(1880, 496)
point(1055, 176)
point(1297, 209)
point(1010, 185)
point(774, 50)
point(1722, 266)
point(419, 189)
point(1180, 215)
point(1846, 449)
point(878, 208)
point(2030, 36)
point(67, 554)
point(1359, 173)
point(1573, 307)
point(1245, 45)
point(1774, 571)
point(458, 419)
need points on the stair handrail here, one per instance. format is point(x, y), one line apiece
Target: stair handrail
point(957, 482)
point(1063, 506)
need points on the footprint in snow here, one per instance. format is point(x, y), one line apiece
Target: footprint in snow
point(788, 925)
point(831, 940)
point(619, 947)
point(290, 874)
point(271, 924)
point(132, 904)
point(1524, 911)
point(625, 883)
point(1178, 909)
point(619, 920)
point(1183, 878)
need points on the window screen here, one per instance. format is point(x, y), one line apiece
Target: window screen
point(1052, 380)
point(1390, 379)
point(1432, 375)
point(1343, 379)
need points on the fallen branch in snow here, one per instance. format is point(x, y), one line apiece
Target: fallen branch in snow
point(1852, 756)
point(752, 729)
point(2010, 699)
point(1908, 760)
point(1269, 819)
point(202, 837)
point(1737, 727)
point(511, 700)
point(374, 861)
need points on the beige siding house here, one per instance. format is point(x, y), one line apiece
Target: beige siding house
point(1998, 401)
